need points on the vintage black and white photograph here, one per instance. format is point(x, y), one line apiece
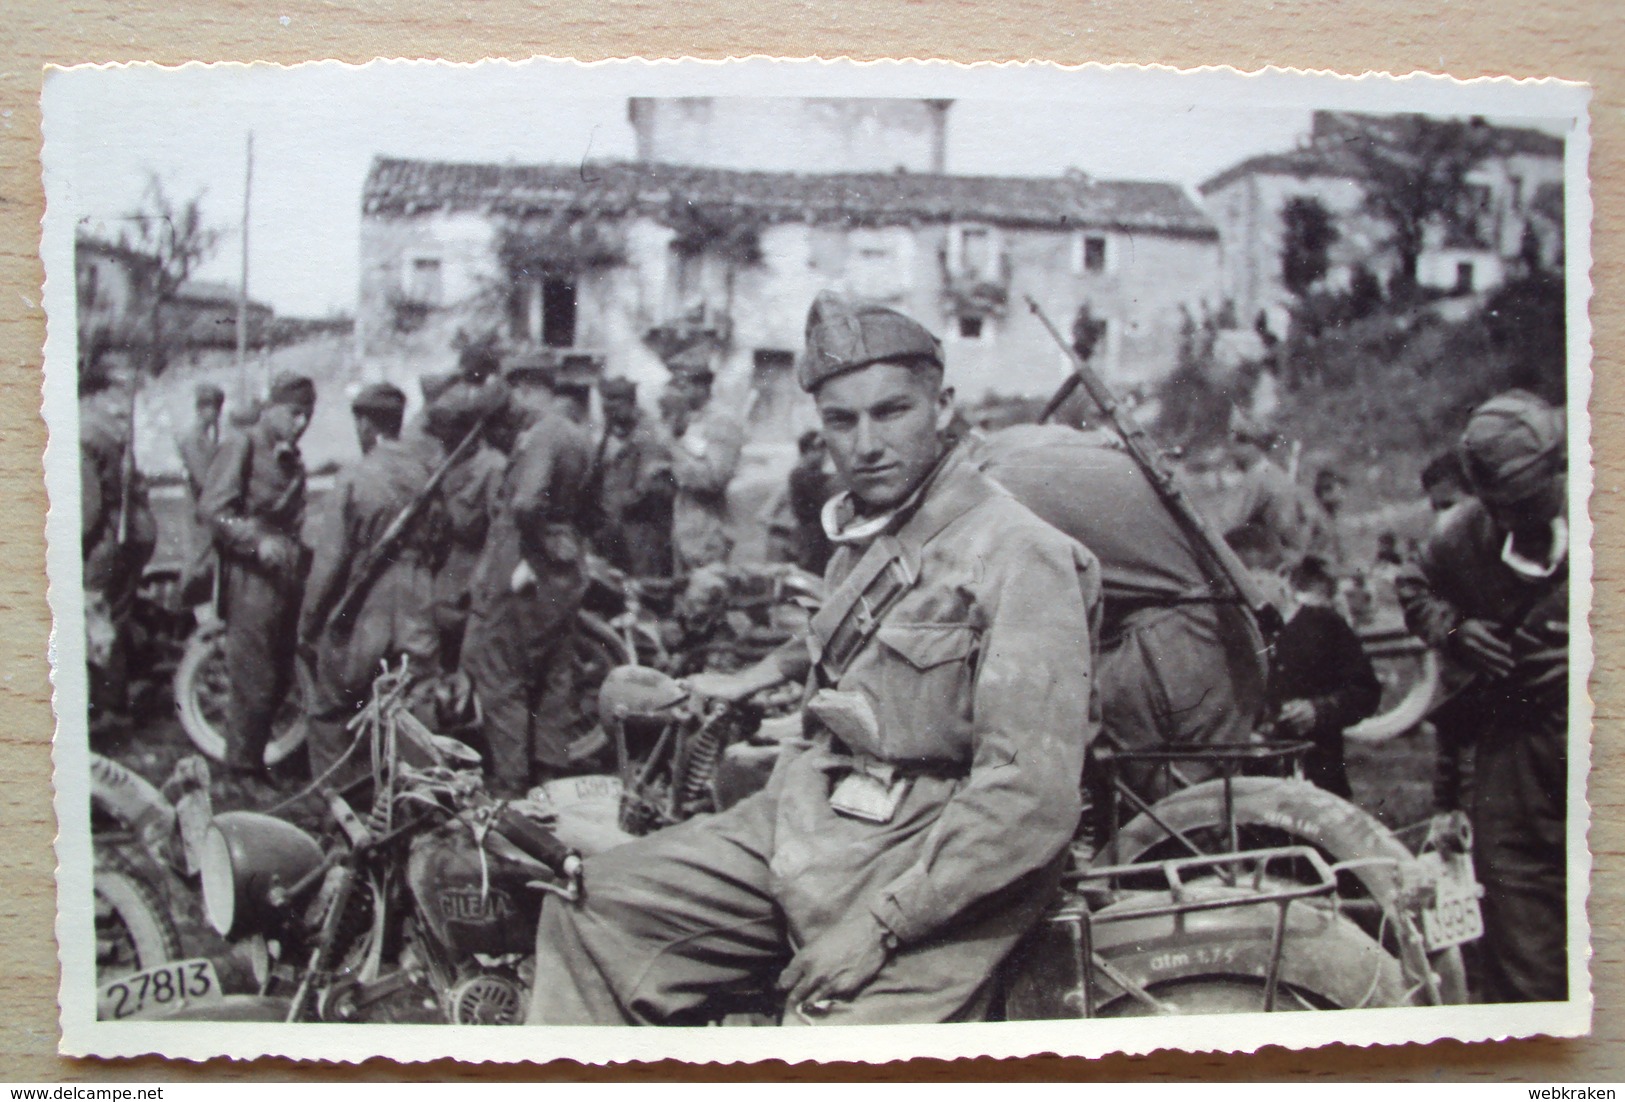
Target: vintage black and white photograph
point(1026, 552)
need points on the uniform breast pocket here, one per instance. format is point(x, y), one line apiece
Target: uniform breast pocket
point(926, 686)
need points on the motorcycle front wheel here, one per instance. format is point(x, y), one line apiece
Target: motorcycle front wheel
point(203, 691)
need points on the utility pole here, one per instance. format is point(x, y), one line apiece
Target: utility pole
point(242, 284)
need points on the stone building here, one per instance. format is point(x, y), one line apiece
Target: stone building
point(644, 260)
point(1518, 185)
point(114, 293)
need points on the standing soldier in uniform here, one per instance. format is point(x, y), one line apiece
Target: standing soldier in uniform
point(396, 615)
point(529, 581)
point(197, 447)
point(117, 533)
point(1491, 588)
point(468, 493)
point(1267, 497)
point(704, 462)
point(634, 484)
point(889, 866)
point(254, 506)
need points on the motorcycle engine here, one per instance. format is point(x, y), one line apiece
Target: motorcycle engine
point(471, 902)
point(486, 998)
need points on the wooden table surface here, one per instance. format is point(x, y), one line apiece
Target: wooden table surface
point(1577, 39)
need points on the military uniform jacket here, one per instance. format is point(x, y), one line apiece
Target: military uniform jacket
point(102, 444)
point(255, 488)
point(981, 677)
point(367, 497)
point(704, 462)
point(1460, 576)
point(1270, 499)
point(197, 450)
point(539, 512)
point(634, 474)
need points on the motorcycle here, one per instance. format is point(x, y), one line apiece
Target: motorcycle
point(432, 890)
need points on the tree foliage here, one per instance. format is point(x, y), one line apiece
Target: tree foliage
point(1307, 235)
point(174, 241)
point(1414, 169)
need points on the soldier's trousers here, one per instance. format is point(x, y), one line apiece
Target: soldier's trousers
point(675, 927)
point(520, 657)
point(396, 619)
point(262, 623)
point(1519, 822)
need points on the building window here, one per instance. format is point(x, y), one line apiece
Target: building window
point(773, 378)
point(423, 283)
point(973, 254)
point(1094, 252)
point(971, 327)
point(878, 265)
point(1464, 277)
point(558, 310)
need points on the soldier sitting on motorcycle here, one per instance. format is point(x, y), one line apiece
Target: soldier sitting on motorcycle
point(894, 860)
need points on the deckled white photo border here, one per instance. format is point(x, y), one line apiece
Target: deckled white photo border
point(68, 92)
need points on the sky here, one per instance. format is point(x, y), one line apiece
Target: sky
point(317, 128)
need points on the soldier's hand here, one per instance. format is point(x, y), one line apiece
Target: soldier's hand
point(523, 578)
point(836, 965)
point(1297, 716)
point(1482, 648)
point(275, 554)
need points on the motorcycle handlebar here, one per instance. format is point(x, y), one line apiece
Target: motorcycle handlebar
point(537, 841)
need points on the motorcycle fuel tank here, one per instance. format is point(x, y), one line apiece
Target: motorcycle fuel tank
point(467, 912)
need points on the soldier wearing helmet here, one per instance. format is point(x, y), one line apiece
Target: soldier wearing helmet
point(1491, 589)
point(896, 858)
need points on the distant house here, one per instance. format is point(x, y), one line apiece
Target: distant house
point(650, 260)
point(1516, 189)
point(115, 298)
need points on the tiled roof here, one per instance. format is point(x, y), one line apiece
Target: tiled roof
point(1328, 152)
point(408, 186)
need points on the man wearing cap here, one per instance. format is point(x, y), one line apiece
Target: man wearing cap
point(704, 462)
point(892, 863)
point(1266, 497)
point(395, 615)
point(253, 504)
point(1491, 589)
point(529, 581)
point(634, 486)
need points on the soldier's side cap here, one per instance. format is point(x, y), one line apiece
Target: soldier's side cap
point(843, 336)
point(618, 387)
point(380, 398)
point(290, 389)
point(1512, 445)
point(209, 394)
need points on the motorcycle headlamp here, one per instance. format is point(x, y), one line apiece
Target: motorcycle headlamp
point(248, 864)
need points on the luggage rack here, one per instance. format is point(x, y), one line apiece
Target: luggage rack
point(1223, 761)
point(1078, 919)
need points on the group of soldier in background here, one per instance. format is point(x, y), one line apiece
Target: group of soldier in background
point(520, 483)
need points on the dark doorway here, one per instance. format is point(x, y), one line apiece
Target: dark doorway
point(773, 376)
point(558, 313)
point(1464, 277)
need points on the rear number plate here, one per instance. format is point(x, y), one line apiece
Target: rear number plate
point(1454, 917)
point(155, 992)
